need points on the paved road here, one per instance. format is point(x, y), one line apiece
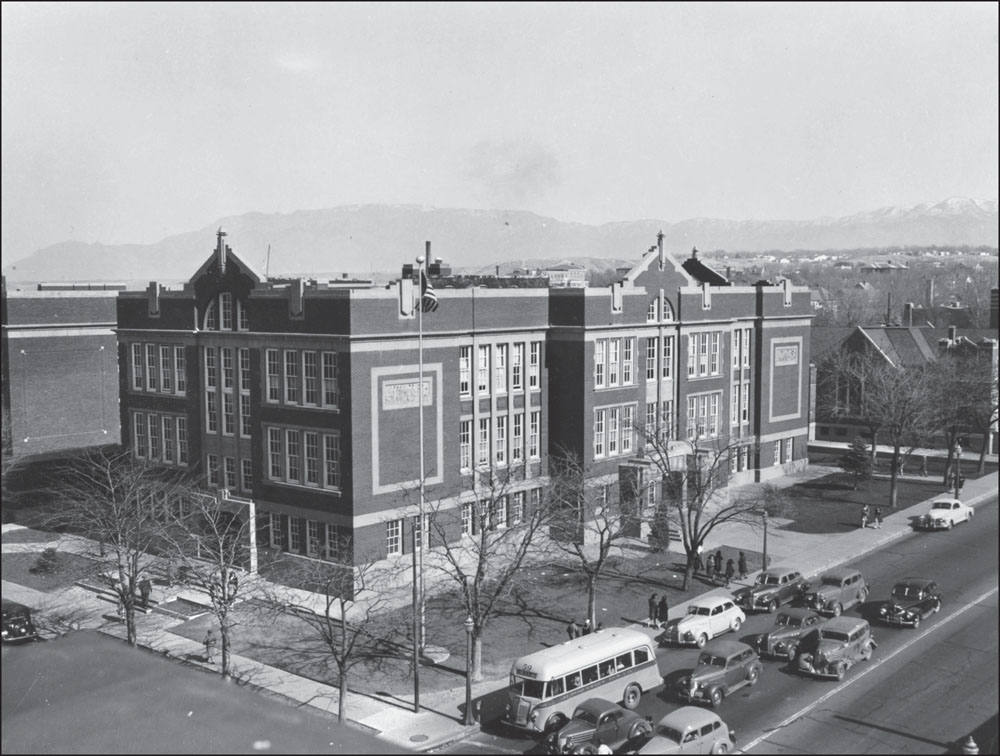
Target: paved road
point(965, 563)
point(87, 693)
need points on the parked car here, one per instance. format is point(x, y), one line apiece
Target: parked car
point(706, 618)
point(691, 729)
point(794, 629)
point(944, 514)
point(597, 721)
point(911, 600)
point(17, 625)
point(724, 666)
point(772, 589)
point(838, 590)
point(843, 642)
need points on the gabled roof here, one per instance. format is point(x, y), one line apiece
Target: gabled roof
point(824, 340)
point(701, 272)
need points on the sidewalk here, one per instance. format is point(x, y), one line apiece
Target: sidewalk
point(440, 718)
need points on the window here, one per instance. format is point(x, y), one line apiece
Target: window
point(517, 508)
point(313, 542)
point(737, 340)
point(246, 475)
point(483, 373)
point(467, 518)
point(277, 539)
point(500, 372)
point(692, 355)
point(714, 423)
point(651, 422)
point(600, 347)
point(533, 435)
point(734, 405)
point(212, 412)
point(228, 417)
point(746, 346)
point(312, 458)
point(154, 437)
point(465, 371)
point(703, 342)
point(273, 376)
point(226, 305)
point(421, 531)
point(668, 356)
point(242, 315)
point(517, 368)
point(536, 350)
point(668, 311)
point(212, 467)
point(744, 458)
point(614, 350)
point(274, 453)
point(151, 367)
point(483, 452)
point(667, 419)
point(777, 453)
point(745, 403)
point(182, 441)
point(465, 444)
point(628, 347)
point(613, 417)
point(704, 355)
point(166, 370)
point(169, 439)
point(714, 353)
point(500, 440)
point(227, 368)
point(180, 369)
point(245, 415)
point(292, 453)
point(789, 443)
point(211, 369)
point(394, 538)
point(651, 349)
point(230, 470)
point(291, 376)
point(653, 310)
point(500, 513)
point(211, 320)
point(517, 442)
point(627, 428)
point(331, 380)
point(310, 378)
point(599, 433)
point(137, 373)
point(703, 415)
point(331, 454)
point(294, 534)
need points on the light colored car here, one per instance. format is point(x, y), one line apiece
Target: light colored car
point(724, 666)
point(707, 617)
point(691, 729)
point(945, 514)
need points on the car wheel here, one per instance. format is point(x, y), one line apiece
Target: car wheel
point(837, 609)
point(863, 596)
point(840, 669)
point(753, 676)
point(916, 622)
point(641, 730)
point(866, 652)
point(588, 748)
point(937, 606)
point(632, 695)
point(951, 524)
point(702, 640)
point(772, 606)
point(968, 515)
point(721, 746)
point(793, 651)
point(717, 696)
point(736, 625)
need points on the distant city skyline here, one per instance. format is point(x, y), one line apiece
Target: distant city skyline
point(127, 123)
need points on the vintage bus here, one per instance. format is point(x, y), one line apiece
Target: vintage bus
point(615, 663)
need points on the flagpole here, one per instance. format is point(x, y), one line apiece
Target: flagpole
point(420, 382)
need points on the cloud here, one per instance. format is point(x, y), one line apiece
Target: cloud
point(510, 172)
point(296, 61)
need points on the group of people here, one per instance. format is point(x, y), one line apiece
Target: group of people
point(715, 571)
point(658, 611)
point(574, 631)
point(866, 517)
point(145, 587)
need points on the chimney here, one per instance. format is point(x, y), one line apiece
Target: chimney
point(952, 333)
point(929, 294)
point(427, 255)
point(296, 290)
point(659, 246)
point(694, 253)
point(220, 249)
point(153, 296)
point(729, 273)
point(908, 314)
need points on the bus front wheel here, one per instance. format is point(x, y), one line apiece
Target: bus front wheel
point(632, 695)
point(555, 722)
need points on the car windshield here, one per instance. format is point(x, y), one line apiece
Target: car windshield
point(941, 505)
point(668, 732)
point(766, 579)
point(784, 620)
point(703, 611)
point(585, 715)
point(832, 581)
point(905, 591)
point(710, 660)
point(834, 636)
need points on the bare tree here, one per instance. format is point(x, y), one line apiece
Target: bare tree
point(209, 536)
point(485, 562)
point(114, 498)
point(965, 399)
point(588, 520)
point(341, 606)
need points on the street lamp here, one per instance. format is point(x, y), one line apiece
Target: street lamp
point(764, 558)
point(958, 469)
point(469, 720)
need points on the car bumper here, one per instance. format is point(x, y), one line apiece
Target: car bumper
point(814, 671)
point(897, 619)
point(934, 524)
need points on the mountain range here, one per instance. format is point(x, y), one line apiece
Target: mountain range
point(367, 239)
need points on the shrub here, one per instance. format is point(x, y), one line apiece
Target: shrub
point(48, 562)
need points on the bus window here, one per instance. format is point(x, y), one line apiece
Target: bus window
point(590, 675)
point(555, 688)
point(641, 656)
point(573, 681)
point(624, 661)
point(607, 668)
point(528, 688)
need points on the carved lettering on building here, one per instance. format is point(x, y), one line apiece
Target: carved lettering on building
point(403, 394)
point(787, 354)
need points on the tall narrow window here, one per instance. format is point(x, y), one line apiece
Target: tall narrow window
point(715, 356)
point(230, 470)
point(668, 356)
point(465, 371)
point(500, 372)
point(182, 441)
point(737, 338)
point(154, 437)
point(337, 544)
point(274, 453)
point(180, 368)
point(246, 475)
point(227, 368)
point(151, 367)
point(747, 343)
point(713, 414)
point(628, 429)
point(211, 318)
point(483, 377)
point(394, 538)
point(291, 376)
point(465, 444)
point(310, 378)
point(614, 350)
point(140, 439)
point(533, 434)
point(517, 508)
point(483, 450)
point(312, 458)
point(745, 407)
point(777, 453)
point(421, 531)
point(228, 413)
point(314, 539)
point(212, 412)
point(703, 342)
point(517, 368)
point(500, 441)
point(166, 370)
point(212, 468)
point(331, 456)
point(613, 418)
point(169, 440)
point(211, 369)
point(137, 372)
point(517, 440)
point(533, 365)
point(277, 536)
point(599, 433)
point(667, 420)
point(734, 405)
point(273, 376)
point(651, 422)
point(331, 378)
point(628, 348)
point(292, 453)
point(226, 305)
point(600, 348)
point(692, 355)
point(651, 349)
point(788, 449)
point(467, 518)
point(242, 318)
point(294, 535)
point(653, 310)
point(245, 415)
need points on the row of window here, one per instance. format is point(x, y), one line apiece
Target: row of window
point(614, 430)
point(219, 314)
point(704, 350)
point(659, 309)
point(660, 421)
point(160, 438)
point(508, 440)
point(319, 540)
point(783, 449)
point(666, 366)
point(493, 374)
point(227, 476)
point(302, 377)
point(742, 342)
point(739, 410)
point(158, 367)
point(703, 415)
point(235, 394)
point(613, 362)
point(303, 457)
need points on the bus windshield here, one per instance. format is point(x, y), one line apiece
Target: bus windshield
point(527, 688)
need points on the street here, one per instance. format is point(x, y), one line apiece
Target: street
point(922, 692)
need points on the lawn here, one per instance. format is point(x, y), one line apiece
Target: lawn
point(17, 568)
point(27, 535)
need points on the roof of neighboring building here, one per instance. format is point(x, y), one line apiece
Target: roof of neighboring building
point(701, 272)
point(826, 339)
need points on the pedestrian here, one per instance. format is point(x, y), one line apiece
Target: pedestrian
point(730, 571)
point(743, 566)
point(210, 647)
point(878, 517)
point(145, 588)
point(718, 565)
point(662, 611)
point(652, 611)
point(600, 626)
point(573, 630)
point(587, 627)
point(864, 516)
point(699, 565)
point(923, 466)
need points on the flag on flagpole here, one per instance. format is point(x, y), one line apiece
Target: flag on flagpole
point(428, 299)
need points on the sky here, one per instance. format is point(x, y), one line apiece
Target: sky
point(130, 122)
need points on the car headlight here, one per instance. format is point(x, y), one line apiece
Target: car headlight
point(779, 646)
point(883, 611)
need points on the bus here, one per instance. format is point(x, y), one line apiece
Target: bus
point(615, 663)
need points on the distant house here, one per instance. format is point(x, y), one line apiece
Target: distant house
point(821, 299)
point(843, 265)
point(570, 274)
point(864, 285)
point(883, 268)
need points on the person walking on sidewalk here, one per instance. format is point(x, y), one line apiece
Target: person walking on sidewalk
point(587, 627)
point(662, 611)
point(864, 516)
point(699, 565)
point(878, 517)
point(653, 611)
point(573, 630)
point(145, 588)
point(742, 564)
point(210, 647)
point(730, 571)
point(718, 565)
point(923, 465)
